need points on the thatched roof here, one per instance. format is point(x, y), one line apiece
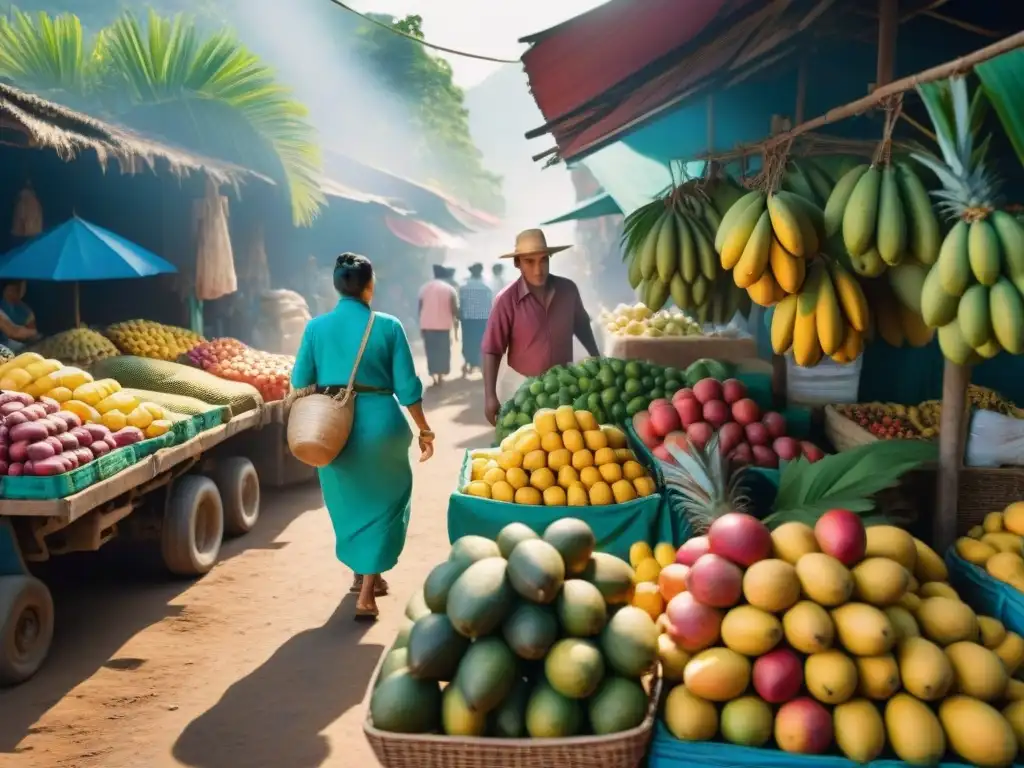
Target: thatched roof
point(67, 132)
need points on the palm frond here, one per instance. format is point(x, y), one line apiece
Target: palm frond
point(45, 53)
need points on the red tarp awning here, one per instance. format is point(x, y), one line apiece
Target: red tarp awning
point(420, 233)
point(576, 62)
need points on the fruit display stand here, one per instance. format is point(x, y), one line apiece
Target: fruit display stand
point(985, 594)
point(185, 496)
point(617, 526)
point(682, 351)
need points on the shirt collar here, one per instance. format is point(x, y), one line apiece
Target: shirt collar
point(523, 290)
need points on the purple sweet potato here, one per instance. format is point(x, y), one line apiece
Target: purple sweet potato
point(98, 431)
point(15, 470)
point(16, 418)
point(40, 451)
point(3, 468)
point(34, 412)
point(10, 396)
point(55, 443)
point(72, 419)
point(99, 448)
point(11, 406)
point(68, 441)
point(30, 431)
point(4, 455)
point(83, 435)
point(84, 455)
point(49, 426)
point(60, 422)
point(56, 465)
point(70, 459)
point(18, 451)
point(128, 436)
point(51, 405)
point(109, 440)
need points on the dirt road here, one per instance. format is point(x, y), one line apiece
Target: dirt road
point(258, 665)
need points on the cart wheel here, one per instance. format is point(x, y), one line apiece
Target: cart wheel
point(239, 486)
point(193, 526)
point(26, 627)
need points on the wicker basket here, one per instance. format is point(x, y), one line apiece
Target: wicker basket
point(843, 433)
point(984, 490)
point(619, 750)
point(319, 427)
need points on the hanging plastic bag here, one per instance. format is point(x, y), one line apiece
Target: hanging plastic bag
point(28, 214)
point(215, 261)
point(994, 440)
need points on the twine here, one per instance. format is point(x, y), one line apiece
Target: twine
point(892, 107)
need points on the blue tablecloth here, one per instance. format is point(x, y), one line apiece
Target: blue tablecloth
point(987, 596)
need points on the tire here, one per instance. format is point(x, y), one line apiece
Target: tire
point(193, 527)
point(239, 486)
point(26, 627)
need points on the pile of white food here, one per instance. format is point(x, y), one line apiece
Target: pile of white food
point(638, 320)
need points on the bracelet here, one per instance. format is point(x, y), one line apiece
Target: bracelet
point(426, 435)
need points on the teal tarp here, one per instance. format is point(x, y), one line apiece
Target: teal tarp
point(591, 208)
point(984, 594)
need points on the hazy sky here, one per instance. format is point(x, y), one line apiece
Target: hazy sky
point(487, 27)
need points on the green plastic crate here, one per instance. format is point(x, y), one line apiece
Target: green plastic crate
point(69, 483)
point(152, 445)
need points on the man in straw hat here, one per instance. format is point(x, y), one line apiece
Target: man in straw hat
point(532, 323)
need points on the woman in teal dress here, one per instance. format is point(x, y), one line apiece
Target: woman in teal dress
point(368, 487)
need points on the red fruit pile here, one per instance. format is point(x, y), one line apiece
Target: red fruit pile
point(232, 360)
point(745, 435)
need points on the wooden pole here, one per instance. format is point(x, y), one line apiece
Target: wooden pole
point(888, 28)
point(952, 440)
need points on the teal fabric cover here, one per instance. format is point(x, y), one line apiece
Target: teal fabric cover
point(987, 596)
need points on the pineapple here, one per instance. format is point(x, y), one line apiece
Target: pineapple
point(973, 292)
point(704, 486)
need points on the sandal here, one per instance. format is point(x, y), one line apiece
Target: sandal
point(366, 614)
point(380, 590)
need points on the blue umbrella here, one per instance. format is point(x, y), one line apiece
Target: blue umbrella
point(77, 250)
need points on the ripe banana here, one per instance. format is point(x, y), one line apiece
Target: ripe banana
point(852, 300)
point(827, 317)
point(737, 235)
point(732, 215)
point(787, 229)
point(783, 322)
point(766, 291)
point(807, 350)
point(754, 260)
point(789, 270)
point(916, 333)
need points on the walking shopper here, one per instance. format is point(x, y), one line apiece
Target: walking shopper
point(439, 312)
point(533, 322)
point(497, 278)
point(475, 300)
point(370, 518)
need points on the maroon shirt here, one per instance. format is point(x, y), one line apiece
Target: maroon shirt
point(535, 337)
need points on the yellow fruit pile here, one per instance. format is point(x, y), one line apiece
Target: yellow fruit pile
point(881, 657)
point(658, 577)
point(997, 545)
point(144, 338)
point(96, 402)
point(79, 346)
point(563, 458)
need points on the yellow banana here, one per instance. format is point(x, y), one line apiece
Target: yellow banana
point(1006, 309)
point(953, 346)
point(765, 291)
point(916, 333)
point(923, 236)
point(738, 235)
point(827, 318)
point(888, 323)
point(754, 259)
point(851, 299)
point(989, 349)
point(853, 344)
point(789, 271)
point(649, 248)
point(806, 347)
point(785, 225)
point(666, 259)
point(983, 253)
point(953, 264)
point(861, 214)
point(937, 306)
point(707, 260)
point(679, 290)
point(891, 233)
point(973, 316)
point(840, 196)
point(907, 281)
point(687, 250)
point(783, 321)
point(732, 215)
point(810, 220)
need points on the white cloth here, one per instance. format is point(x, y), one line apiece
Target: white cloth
point(508, 383)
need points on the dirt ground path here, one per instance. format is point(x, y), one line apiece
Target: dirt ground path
point(258, 665)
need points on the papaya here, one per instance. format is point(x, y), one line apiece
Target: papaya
point(439, 582)
point(470, 549)
point(508, 721)
point(404, 629)
point(481, 598)
point(397, 658)
point(457, 719)
point(630, 642)
point(612, 577)
point(416, 608)
point(435, 648)
point(531, 630)
point(404, 704)
point(536, 570)
point(619, 705)
point(575, 542)
point(550, 715)
point(511, 535)
point(487, 674)
point(581, 609)
point(574, 668)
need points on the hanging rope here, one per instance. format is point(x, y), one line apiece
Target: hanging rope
point(892, 107)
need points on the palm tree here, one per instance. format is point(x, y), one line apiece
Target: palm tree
point(210, 93)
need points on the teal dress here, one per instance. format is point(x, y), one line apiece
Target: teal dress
point(367, 489)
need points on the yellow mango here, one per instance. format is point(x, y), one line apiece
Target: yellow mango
point(72, 378)
point(43, 368)
point(60, 394)
point(90, 393)
point(974, 551)
point(20, 361)
point(41, 386)
point(993, 522)
point(141, 418)
point(114, 420)
point(119, 401)
point(159, 427)
point(1004, 542)
point(16, 380)
point(84, 411)
point(157, 412)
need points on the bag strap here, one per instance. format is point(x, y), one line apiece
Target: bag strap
point(347, 394)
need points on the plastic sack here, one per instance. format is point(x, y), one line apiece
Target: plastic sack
point(826, 383)
point(994, 440)
point(215, 260)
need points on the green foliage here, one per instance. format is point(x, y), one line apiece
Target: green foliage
point(846, 480)
point(169, 78)
point(1003, 81)
point(424, 82)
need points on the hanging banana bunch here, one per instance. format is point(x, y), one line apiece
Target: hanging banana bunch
point(896, 307)
point(828, 317)
point(669, 250)
point(809, 179)
point(884, 216)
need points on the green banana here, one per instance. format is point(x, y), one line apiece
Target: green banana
point(954, 347)
point(666, 259)
point(818, 179)
point(983, 252)
point(953, 264)
point(973, 316)
point(839, 198)
point(1006, 310)
point(688, 266)
point(937, 306)
point(924, 237)
point(706, 257)
point(679, 290)
point(657, 295)
point(649, 248)
point(891, 232)
point(861, 214)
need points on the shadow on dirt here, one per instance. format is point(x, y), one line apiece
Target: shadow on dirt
point(275, 716)
point(105, 598)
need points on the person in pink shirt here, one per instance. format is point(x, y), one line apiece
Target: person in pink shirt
point(439, 312)
point(532, 323)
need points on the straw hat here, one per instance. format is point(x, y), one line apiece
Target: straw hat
point(531, 242)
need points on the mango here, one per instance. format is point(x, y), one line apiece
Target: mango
point(910, 602)
point(992, 631)
point(926, 672)
point(750, 631)
point(1014, 714)
point(859, 730)
point(1014, 690)
point(880, 581)
point(904, 624)
point(992, 522)
point(771, 585)
point(808, 627)
point(717, 674)
point(689, 717)
point(586, 421)
point(878, 677)
point(1008, 567)
point(824, 579)
point(977, 671)
point(863, 629)
point(830, 676)
point(915, 733)
point(1003, 542)
point(946, 621)
point(975, 532)
point(791, 541)
point(937, 589)
point(974, 551)
point(892, 542)
point(673, 658)
point(565, 418)
point(747, 721)
point(930, 566)
point(544, 421)
point(1011, 652)
point(977, 732)
point(1013, 518)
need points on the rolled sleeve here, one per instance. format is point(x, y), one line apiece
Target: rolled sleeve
point(407, 385)
point(499, 329)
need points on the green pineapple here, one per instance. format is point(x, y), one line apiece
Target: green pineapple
point(973, 292)
point(704, 486)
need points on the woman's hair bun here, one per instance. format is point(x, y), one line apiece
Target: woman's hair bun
point(352, 273)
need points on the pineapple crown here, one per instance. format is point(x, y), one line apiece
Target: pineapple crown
point(969, 187)
point(705, 485)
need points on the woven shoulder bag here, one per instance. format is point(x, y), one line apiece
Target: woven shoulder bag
point(319, 425)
